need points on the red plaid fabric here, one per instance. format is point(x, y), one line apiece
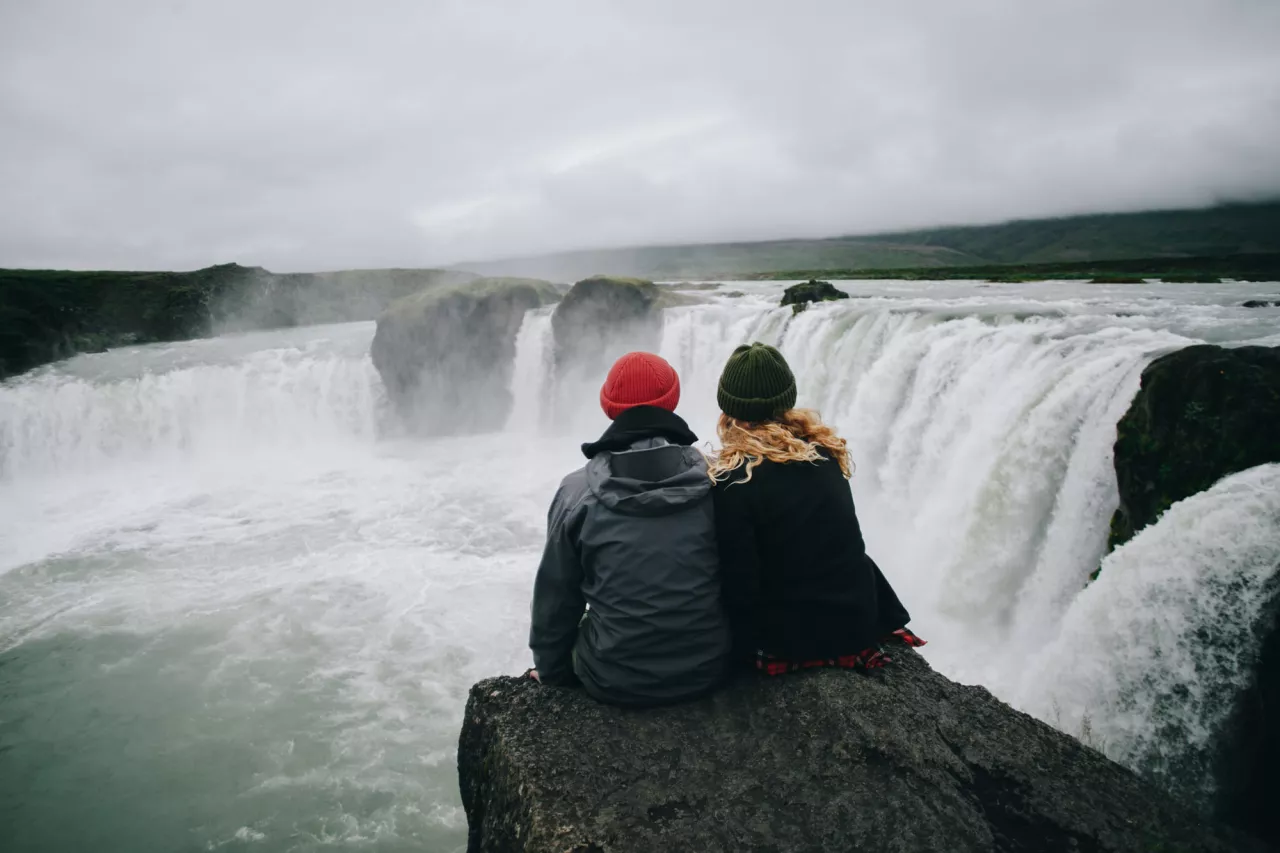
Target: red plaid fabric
point(872, 658)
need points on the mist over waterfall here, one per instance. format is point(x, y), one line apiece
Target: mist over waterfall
point(231, 553)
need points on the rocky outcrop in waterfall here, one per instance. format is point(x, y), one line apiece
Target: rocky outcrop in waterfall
point(899, 760)
point(798, 296)
point(603, 317)
point(1202, 413)
point(445, 355)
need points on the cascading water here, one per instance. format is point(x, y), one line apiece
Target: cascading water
point(91, 414)
point(237, 610)
point(531, 375)
point(1149, 658)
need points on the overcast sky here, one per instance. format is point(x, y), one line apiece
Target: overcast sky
point(300, 134)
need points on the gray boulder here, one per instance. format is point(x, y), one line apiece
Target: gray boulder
point(899, 760)
point(603, 317)
point(445, 355)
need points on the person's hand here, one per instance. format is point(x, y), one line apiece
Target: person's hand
point(533, 673)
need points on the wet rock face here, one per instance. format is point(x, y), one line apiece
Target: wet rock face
point(899, 760)
point(1203, 412)
point(798, 296)
point(445, 356)
point(603, 317)
point(1247, 753)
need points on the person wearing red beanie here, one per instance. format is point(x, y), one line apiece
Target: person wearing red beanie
point(639, 379)
point(627, 598)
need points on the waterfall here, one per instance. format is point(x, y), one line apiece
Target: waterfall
point(981, 435)
point(982, 443)
point(56, 422)
point(531, 373)
point(1150, 657)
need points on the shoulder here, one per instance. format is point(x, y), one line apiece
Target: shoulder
point(574, 481)
point(572, 495)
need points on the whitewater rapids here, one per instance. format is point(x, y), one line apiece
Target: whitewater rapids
point(239, 609)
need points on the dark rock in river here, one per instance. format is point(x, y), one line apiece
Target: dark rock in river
point(900, 760)
point(446, 355)
point(1203, 412)
point(798, 296)
point(1247, 752)
point(1261, 303)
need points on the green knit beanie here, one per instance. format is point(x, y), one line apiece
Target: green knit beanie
point(756, 384)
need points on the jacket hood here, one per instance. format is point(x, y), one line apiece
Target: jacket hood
point(654, 477)
point(641, 422)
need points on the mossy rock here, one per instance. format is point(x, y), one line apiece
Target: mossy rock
point(446, 355)
point(798, 296)
point(1202, 413)
point(603, 317)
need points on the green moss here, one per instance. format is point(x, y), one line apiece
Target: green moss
point(537, 291)
point(1243, 267)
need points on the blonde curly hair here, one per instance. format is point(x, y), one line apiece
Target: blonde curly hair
point(794, 436)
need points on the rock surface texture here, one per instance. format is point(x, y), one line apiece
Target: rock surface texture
point(1202, 413)
point(603, 317)
point(899, 760)
point(798, 296)
point(445, 355)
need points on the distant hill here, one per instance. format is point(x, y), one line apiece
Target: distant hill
point(1219, 231)
point(50, 314)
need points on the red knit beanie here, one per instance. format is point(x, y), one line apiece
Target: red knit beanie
point(639, 379)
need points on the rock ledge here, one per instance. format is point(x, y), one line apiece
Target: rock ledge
point(899, 760)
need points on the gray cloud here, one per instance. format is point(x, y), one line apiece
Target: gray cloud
point(299, 134)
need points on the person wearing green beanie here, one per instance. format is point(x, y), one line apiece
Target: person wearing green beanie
point(799, 588)
point(757, 384)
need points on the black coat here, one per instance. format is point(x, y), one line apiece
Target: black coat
point(798, 583)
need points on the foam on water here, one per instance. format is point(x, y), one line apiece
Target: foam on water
point(1148, 658)
point(237, 611)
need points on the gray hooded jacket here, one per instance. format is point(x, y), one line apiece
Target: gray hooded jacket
point(632, 536)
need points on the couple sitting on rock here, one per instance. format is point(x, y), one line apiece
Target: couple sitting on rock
point(663, 573)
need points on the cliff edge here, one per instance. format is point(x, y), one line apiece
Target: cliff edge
point(902, 759)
